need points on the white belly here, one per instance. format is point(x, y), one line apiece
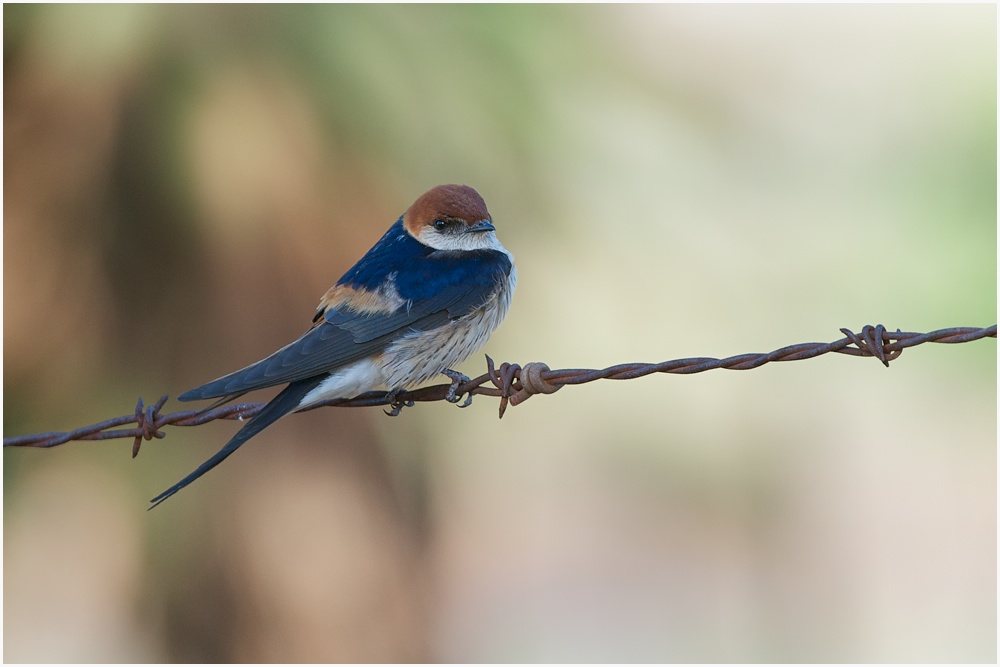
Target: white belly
point(357, 378)
point(419, 356)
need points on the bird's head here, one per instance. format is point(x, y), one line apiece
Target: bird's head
point(451, 217)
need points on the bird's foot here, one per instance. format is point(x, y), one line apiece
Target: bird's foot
point(395, 404)
point(457, 379)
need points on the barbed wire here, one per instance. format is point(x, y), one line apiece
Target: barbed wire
point(512, 383)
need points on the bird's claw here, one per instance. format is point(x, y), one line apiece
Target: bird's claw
point(457, 379)
point(396, 405)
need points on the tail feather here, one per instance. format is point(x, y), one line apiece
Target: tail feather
point(279, 406)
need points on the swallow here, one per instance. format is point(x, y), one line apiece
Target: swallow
point(427, 295)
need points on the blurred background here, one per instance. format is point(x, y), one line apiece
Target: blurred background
point(182, 183)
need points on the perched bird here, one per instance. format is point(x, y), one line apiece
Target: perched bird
point(424, 298)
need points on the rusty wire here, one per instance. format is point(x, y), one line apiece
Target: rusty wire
point(514, 384)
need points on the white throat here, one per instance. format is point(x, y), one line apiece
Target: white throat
point(467, 241)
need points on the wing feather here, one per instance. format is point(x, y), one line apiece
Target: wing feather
point(344, 337)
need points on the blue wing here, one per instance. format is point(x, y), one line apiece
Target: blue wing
point(438, 287)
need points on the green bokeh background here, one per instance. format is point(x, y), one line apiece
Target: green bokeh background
point(182, 183)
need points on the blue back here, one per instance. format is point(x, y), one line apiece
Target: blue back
point(422, 272)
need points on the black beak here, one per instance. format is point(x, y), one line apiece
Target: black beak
point(481, 226)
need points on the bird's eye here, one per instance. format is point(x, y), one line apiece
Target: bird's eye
point(440, 224)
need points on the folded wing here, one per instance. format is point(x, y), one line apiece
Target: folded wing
point(345, 336)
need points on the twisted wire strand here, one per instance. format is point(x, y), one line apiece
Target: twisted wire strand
point(514, 384)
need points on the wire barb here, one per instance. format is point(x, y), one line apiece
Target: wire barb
point(146, 423)
point(512, 383)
